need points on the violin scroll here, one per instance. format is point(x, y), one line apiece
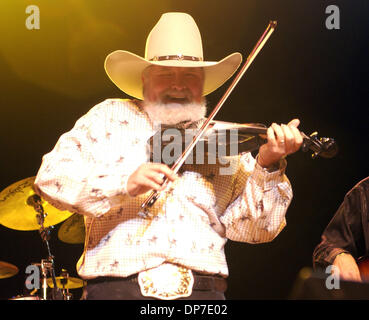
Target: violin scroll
point(323, 147)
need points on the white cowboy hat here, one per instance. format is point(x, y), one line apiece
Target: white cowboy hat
point(175, 41)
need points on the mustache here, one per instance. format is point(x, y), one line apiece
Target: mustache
point(174, 113)
point(170, 95)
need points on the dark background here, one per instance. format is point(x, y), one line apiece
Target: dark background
point(52, 76)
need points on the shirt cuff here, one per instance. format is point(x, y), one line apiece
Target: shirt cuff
point(267, 178)
point(334, 253)
point(125, 182)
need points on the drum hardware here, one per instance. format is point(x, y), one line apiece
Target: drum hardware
point(22, 209)
point(65, 290)
point(47, 265)
point(71, 282)
point(65, 283)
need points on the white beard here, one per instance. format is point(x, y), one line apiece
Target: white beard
point(173, 113)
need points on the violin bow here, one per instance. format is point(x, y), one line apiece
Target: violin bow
point(176, 166)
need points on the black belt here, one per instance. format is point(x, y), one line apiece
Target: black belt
point(201, 282)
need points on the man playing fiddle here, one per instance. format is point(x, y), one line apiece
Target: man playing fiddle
point(101, 169)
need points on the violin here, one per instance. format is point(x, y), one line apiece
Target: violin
point(232, 138)
point(253, 135)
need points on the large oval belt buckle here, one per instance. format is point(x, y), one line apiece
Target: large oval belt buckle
point(167, 281)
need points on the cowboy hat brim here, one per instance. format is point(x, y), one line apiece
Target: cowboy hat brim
point(125, 70)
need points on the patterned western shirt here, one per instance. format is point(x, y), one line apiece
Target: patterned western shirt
point(87, 173)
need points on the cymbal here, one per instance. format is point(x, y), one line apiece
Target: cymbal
point(72, 230)
point(72, 283)
point(7, 270)
point(16, 214)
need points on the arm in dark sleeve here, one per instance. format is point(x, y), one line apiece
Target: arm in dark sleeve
point(344, 233)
